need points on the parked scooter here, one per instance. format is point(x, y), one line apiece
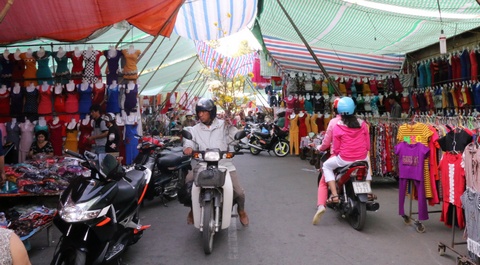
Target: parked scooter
point(212, 192)
point(353, 190)
point(250, 128)
point(98, 214)
point(168, 165)
point(275, 142)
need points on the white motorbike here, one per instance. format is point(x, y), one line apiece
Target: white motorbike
point(212, 192)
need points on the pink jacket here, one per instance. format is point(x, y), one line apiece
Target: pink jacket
point(327, 140)
point(351, 144)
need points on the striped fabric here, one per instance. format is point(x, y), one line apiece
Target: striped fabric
point(214, 19)
point(227, 66)
point(295, 57)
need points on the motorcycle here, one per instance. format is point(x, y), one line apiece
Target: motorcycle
point(265, 142)
point(212, 192)
point(98, 213)
point(168, 165)
point(353, 190)
point(250, 128)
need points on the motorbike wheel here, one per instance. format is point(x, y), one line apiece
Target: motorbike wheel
point(254, 151)
point(208, 227)
point(70, 257)
point(237, 148)
point(281, 148)
point(358, 217)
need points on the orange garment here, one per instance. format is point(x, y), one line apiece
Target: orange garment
point(418, 133)
point(313, 123)
point(366, 88)
point(30, 73)
point(293, 135)
point(130, 70)
point(343, 88)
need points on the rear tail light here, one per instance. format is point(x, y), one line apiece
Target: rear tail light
point(359, 173)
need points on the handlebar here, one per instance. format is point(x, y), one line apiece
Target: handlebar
point(74, 154)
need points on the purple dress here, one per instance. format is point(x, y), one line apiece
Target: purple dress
point(130, 99)
point(16, 103)
point(112, 63)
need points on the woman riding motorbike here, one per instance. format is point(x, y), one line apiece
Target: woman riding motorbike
point(214, 133)
point(351, 142)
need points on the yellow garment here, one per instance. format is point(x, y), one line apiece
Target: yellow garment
point(325, 87)
point(71, 142)
point(343, 88)
point(130, 69)
point(455, 100)
point(313, 123)
point(444, 98)
point(366, 88)
point(418, 133)
point(293, 135)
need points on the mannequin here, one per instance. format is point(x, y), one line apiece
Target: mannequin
point(55, 129)
point(3, 89)
point(6, 53)
point(45, 101)
point(4, 105)
point(85, 98)
point(85, 128)
point(71, 141)
point(131, 130)
point(131, 92)
point(41, 121)
point(44, 73)
point(131, 57)
point(71, 101)
point(26, 140)
point(113, 57)
point(99, 94)
point(293, 134)
point(62, 73)
point(31, 100)
point(113, 94)
point(6, 68)
point(59, 99)
point(91, 72)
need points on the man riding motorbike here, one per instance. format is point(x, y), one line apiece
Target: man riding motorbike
point(214, 133)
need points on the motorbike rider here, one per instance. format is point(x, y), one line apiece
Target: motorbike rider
point(113, 137)
point(211, 132)
point(351, 142)
point(189, 121)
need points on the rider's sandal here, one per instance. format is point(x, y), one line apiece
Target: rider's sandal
point(333, 199)
point(372, 197)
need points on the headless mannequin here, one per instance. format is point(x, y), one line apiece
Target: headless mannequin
point(77, 52)
point(130, 86)
point(41, 121)
point(99, 84)
point(292, 116)
point(3, 89)
point(72, 124)
point(131, 49)
point(29, 53)
point(31, 87)
point(70, 86)
point(55, 120)
point(84, 85)
point(317, 96)
point(13, 122)
point(45, 86)
point(6, 53)
point(58, 89)
point(16, 55)
point(60, 52)
point(86, 121)
point(113, 84)
point(301, 114)
point(112, 52)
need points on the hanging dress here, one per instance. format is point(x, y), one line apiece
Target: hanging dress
point(55, 136)
point(71, 141)
point(26, 140)
point(99, 96)
point(43, 73)
point(130, 99)
point(13, 136)
point(45, 101)
point(77, 68)
point(30, 74)
point(59, 101)
point(18, 69)
point(91, 72)
point(62, 74)
point(112, 66)
point(16, 103)
point(31, 103)
point(302, 126)
point(5, 107)
point(130, 70)
point(6, 66)
point(112, 100)
point(85, 101)
point(131, 143)
point(71, 103)
point(83, 143)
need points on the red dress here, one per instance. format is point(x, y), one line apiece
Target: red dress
point(77, 68)
point(5, 107)
point(85, 131)
point(302, 127)
point(45, 101)
point(99, 96)
point(59, 103)
point(71, 103)
point(56, 136)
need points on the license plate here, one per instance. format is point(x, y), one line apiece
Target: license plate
point(361, 187)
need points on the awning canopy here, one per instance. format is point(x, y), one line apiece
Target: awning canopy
point(369, 26)
point(73, 20)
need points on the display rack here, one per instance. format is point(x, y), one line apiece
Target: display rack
point(407, 219)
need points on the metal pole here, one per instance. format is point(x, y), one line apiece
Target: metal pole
point(195, 92)
point(154, 52)
point(334, 84)
point(158, 67)
point(147, 48)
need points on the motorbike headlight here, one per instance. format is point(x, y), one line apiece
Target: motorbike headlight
point(72, 212)
point(211, 156)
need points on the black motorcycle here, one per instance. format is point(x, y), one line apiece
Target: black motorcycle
point(168, 165)
point(98, 213)
point(275, 142)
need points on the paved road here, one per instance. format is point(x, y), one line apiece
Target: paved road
point(281, 197)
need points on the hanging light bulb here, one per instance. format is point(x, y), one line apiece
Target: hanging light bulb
point(443, 42)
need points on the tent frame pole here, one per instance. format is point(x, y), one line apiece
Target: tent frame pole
point(158, 67)
point(324, 71)
point(149, 59)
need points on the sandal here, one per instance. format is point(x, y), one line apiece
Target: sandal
point(372, 197)
point(333, 199)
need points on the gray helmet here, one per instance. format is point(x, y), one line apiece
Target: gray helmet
point(206, 104)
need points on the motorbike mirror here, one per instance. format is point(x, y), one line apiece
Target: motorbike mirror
point(239, 135)
point(187, 135)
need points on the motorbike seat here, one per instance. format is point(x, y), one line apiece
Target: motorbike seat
point(175, 149)
point(342, 170)
point(171, 160)
point(263, 135)
point(129, 191)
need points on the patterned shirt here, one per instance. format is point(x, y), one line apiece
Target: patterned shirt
point(47, 148)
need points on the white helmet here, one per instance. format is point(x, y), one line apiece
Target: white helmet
point(189, 113)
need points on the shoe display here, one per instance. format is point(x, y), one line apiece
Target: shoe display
point(318, 215)
point(243, 217)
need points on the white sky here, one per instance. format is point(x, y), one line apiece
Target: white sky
point(229, 44)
